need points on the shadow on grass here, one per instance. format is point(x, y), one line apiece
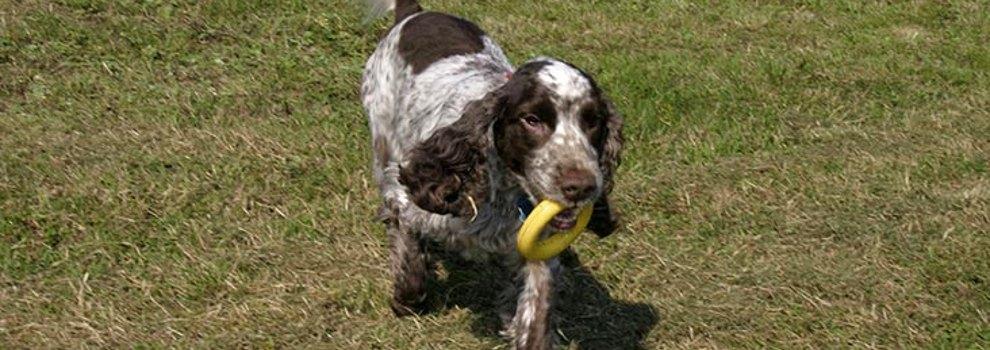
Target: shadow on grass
point(586, 314)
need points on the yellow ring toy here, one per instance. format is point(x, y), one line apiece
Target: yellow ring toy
point(528, 243)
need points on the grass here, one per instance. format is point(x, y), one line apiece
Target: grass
point(799, 174)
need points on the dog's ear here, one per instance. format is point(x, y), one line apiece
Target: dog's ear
point(604, 221)
point(448, 172)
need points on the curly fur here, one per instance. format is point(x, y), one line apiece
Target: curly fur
point(604, 221)
point(447, 173)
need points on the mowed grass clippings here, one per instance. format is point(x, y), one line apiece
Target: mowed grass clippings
point(196, 173)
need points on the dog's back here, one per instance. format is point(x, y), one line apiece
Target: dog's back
point(421, 76)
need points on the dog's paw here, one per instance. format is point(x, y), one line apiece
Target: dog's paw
point(403, 308)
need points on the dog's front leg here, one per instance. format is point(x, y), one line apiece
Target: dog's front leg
point(532, 324)
point(408, 265)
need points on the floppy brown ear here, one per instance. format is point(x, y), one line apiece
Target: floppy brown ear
point(604, 221)
point(448, 173)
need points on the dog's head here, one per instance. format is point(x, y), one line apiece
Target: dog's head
point(551, 127)
point(560, 136)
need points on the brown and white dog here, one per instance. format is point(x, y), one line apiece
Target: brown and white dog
point(463, 143)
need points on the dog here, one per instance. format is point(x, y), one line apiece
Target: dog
point(464, 144)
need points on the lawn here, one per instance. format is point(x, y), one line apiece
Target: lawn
point(798, 174)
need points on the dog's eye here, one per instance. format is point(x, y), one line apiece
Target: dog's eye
point(591, 119)
point(592, 122)
point(532, 120)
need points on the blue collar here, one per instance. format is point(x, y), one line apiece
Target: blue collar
point(525, 207)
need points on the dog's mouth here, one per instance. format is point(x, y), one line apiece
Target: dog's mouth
point(565, 220)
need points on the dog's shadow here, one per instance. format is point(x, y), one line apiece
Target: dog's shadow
point(586, 314)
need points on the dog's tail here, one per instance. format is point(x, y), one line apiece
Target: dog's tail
point(403, 8)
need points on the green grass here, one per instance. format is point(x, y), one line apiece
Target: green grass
point(799, 174)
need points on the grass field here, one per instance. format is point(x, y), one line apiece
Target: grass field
point(799, 174)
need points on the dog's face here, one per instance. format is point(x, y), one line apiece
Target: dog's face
point(550, 126)
point(552, 133)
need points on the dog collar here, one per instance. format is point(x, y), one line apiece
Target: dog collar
point(524, 206)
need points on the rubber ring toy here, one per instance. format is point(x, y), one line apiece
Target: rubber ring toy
point(534, 249)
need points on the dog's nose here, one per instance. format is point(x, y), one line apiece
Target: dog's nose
point(577, 184)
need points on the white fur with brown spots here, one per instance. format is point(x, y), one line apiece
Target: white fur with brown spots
point(417, 88)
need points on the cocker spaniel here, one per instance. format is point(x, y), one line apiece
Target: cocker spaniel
point(464, 144)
